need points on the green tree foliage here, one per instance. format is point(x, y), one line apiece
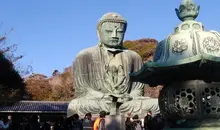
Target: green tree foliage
point(11, 83)
point(9, 51)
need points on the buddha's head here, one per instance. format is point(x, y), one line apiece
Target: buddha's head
point(111, 30)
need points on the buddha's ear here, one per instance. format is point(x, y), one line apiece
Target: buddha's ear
point(98, 34)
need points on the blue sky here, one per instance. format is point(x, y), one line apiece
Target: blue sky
point(50, 33)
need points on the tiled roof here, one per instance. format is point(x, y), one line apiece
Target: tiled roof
point(36, 107)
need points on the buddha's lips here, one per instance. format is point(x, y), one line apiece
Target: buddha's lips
point(114, 41)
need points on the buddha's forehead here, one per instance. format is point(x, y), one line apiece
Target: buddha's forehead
point(112, 20)
point(113, 25)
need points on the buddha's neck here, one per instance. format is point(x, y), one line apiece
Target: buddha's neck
point(112, 51)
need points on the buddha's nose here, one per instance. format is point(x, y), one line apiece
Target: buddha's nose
point(114, 34)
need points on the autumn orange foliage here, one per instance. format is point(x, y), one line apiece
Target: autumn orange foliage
point(145, 48)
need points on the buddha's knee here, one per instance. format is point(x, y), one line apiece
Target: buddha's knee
point(140, 106)
point(73, 107)
point(133, 106)
point(82, 106)
point(151, 105)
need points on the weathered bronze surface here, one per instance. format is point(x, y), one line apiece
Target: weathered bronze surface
point(101, 75)
point(188, 53)
point(187, 63)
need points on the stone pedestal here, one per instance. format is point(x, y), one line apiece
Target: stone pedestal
point(116, 122)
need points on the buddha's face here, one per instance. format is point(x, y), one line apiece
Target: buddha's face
point(112, 34)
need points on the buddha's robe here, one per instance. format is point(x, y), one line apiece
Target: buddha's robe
point(89, 70)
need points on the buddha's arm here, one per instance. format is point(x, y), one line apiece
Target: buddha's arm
point(83, 89)
point(137, 87)
point(83, 83)
point(137, 90)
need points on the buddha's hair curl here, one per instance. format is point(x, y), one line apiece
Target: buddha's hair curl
point(111, 21)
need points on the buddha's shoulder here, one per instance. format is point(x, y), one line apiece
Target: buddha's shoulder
point(88, 51)
point(132, 53)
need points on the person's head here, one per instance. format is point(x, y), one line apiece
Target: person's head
point(149, 113)
point(111, 30)
point(158, 122)
point(135, 117)
point(75, 116)
point(9, 117)
point(129, 114)
point(35, 118)
point(102, 114)
point(107, 113)
point(88, 116)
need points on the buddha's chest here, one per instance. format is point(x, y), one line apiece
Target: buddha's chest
point(99, 65)
point(115, 61)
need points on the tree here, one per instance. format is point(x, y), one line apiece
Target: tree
point(9, 52)
point(62, 86)
point(145, 48)
point(11, 83)
point(38, 87)
point(57, 87)
point(12, 86)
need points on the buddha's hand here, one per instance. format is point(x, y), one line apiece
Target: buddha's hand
point(121, 83)
point(118, 86)
point(107, 96)
point(127, 97)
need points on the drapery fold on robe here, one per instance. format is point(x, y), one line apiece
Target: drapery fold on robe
point(89, 71)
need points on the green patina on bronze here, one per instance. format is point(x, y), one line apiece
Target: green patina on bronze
point(101, 74)
point(187, 10)
point(187, 64)
point(189, 42)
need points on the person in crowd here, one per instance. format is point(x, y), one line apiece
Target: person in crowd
point(3, 125)
point(76, 123)
point(136, 124)
point(27, 125)
point(68, 123)
point(35, 125)
point(87, 122)
point(46, 125)
point(158, 122)
point(9, 121)
point(100, 122)
point(128, 122)
point(58, 125)
point(148, 121)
